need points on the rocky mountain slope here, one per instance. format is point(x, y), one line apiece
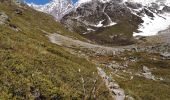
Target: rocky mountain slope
point(117, 21)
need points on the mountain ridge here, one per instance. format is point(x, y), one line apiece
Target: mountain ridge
point(138, 8)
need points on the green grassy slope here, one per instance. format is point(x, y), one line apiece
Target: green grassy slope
point(32, 67)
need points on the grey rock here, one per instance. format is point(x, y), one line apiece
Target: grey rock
point(165, 55)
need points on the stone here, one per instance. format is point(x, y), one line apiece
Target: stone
point(18, 11)
point(133, 59)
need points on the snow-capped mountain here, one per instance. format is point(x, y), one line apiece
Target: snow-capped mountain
point(154, 13)
point(57, 8)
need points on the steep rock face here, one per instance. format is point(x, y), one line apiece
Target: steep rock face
point(57, 8)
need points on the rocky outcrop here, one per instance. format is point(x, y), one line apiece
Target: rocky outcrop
point(4, 19)
point(166, 9)
point(112, 22)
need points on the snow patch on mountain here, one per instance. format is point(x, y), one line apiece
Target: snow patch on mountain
point(100, 24)
point(152, 26)
point(111, 24)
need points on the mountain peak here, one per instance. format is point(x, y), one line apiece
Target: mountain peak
point(57, 8)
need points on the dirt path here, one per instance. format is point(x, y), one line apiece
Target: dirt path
point(98, 49)
point(113, 87)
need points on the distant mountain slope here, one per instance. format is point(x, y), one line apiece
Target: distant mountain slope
point(117, 21)
point(31, 67)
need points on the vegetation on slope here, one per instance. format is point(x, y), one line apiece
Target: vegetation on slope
point(33, 68)
point(139, 87)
